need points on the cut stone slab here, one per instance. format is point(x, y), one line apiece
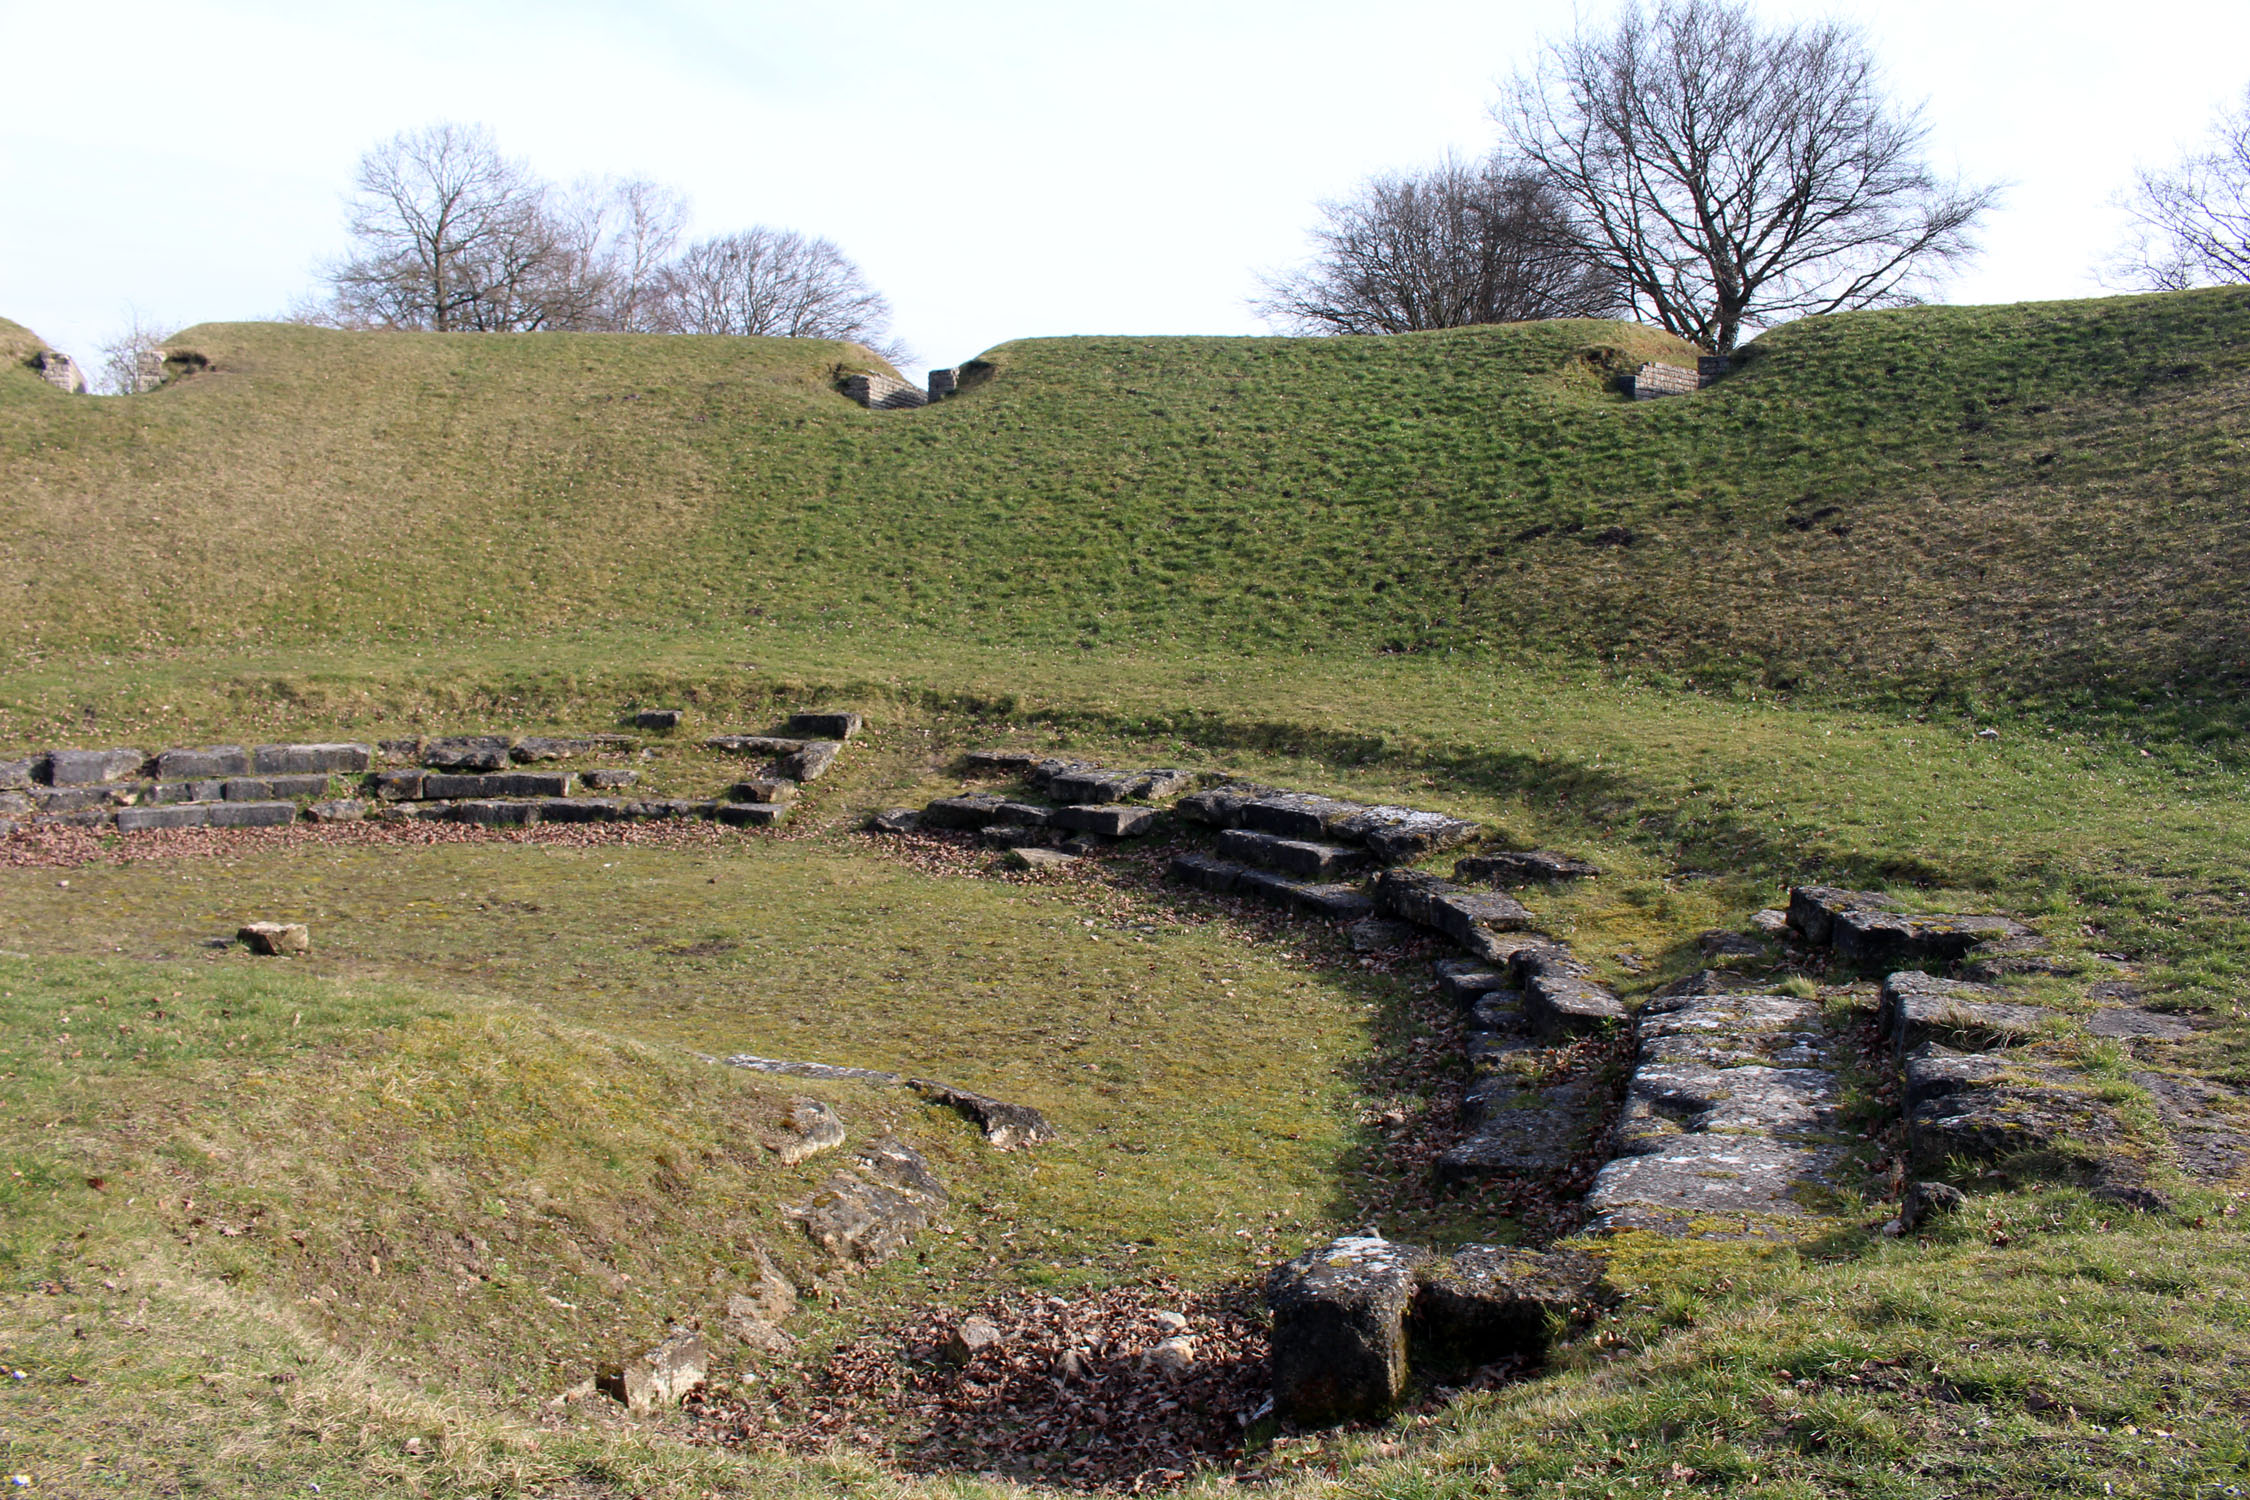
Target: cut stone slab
point(468, 752)
point(275, 938)
point(1875, 939)
point(271, 788)
point(974, 810)
point(1339, 1330)
point(504, 784)
point(16, 775)
point(792, 1069)
point(311, 760)
point(208, 762)
point(1300, 857)
point(812, 762)
point(338, 810)
point(397, 786)
point(252, 814)
point(659, 718)
point(490, 814)
point(1518, 1132)
point(1004, 761)
point(1093, 784)
point(895, 820)
point(1527, 867)
point(752, 814)
point(659, 1377)
point(754, 744)
point(552, 747)
point(92, 767)
point(765, 789)
point(809, 1128)
point(1006, 1126)
point(1332, 900)
point(585, 810)
point(1023, 814)
point(665, 808)
point(826, 725)
point(609, 777)
point(1206, 872)
point(1991, 1106)
point(176, 815)
point(1813, 909)
point(1560, 1005)
point(1916, 1008)
point(870, 1215)
point(1464, 981)
point(1220, 807)
point(1486, 1303)
point(2209, 1124)
point(1110, 820)
point(1292, 815)
point(1041, 861)
point(2124, 1022)
point(1718, 1186)
point(1442, 906)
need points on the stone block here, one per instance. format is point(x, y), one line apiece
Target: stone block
point(1711, 1184)
point(1339, 1330)
point(752, 814)
point(338, 810)
point(1301, 857)
point(1486, 1303)
point(253, 814)
point(503, 784)
point(975, 810)
point(1395, 835)
point(275, 938)
point(659, 718)
point(1881, 939)
point(661, 1376)
point(1465, 981)
point(1005, 1125)
point(1518, 1133)
point(1528, 867)
point(812, 762)
point(179, 815)
point(15, 804)
point(534, 748)
point(895, 820)
point(1108, 819)
point(165, 793)
point(103, 816)
point(753, 744)
point(491, 814)
point(1205, 872)
point(16, 775)
point(1916, 1008)
point(1813, 910)
point(92, 767)
point(868, 1215)
point(1040, 861)
point(609, 778)
point(1456, 911)
point(1377, 934)
point(1291, 815)
point(825, 725)
point(398, 786)
point(1331, 900)
point(1221, 807)
point(1023, 814)
point(271, 788)
point(399, 752)
point(1006, 762)
point(768, 789)
point(584, 810)
point(311, 760)
point(1561, 1005)
point(664, 808)
point(211, 761)
point(807, 1129)
point(468, 752)
point(52, 800)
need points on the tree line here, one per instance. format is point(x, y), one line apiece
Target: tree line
point(1687, 166)
point(449, 234)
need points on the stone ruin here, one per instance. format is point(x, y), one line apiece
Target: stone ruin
point(500, 781)
point(1727, 1123)
point(879, 392)
point(60, 371)
point(1656, 379)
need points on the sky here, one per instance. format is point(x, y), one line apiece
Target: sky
point(1000, 170)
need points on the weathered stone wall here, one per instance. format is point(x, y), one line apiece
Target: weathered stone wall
point(60, 370)
point(1653, 380)
point(883, 392)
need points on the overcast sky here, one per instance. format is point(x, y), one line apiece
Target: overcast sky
point(1000, 170)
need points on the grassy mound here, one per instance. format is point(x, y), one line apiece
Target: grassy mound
point(2036, 500)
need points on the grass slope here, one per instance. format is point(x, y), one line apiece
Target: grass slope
point(2038, 500)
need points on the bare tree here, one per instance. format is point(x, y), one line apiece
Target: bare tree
point(1731, 174)
point(451, 235)
point(1454, 246)
point(774, 282)
point(2192, 223)
point(132, 361)
point(631, 232)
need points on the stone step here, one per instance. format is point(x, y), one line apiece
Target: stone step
point(1290, 856)
point(1916, 1008)
point(207, 815)
point(1528, 867)
point(1456, 911)
point(826, 725)
point(439, 786)
point(1111, 820)
point(1224, 877)
point(1391, 834)
point(752, 814)
point(970, 811)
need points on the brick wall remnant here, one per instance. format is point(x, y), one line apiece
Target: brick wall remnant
point(942, 384)
point(882, 392)
point(1656, 379)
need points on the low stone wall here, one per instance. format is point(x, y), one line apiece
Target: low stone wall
point(1658, 379)
point(60, 370)
point(883, 392)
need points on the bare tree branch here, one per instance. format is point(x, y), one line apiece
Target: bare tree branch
point(1732, 175)
point(1447, 248)
point(776, 283)
point(130, 362)
point(2192, 222)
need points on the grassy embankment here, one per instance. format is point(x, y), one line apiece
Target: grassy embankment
point(1158, 548)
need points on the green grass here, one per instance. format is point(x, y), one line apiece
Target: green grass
point(1304, 561)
